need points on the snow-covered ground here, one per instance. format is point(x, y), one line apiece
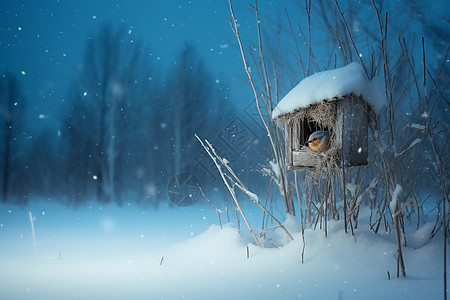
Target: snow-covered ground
point(129, 252)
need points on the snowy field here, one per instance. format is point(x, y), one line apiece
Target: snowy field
point(129, 252)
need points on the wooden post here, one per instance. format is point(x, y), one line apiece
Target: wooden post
point(297, 134)
point(288, 143)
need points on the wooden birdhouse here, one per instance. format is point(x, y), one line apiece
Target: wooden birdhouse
point(330, 101)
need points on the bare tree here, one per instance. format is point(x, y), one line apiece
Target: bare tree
point(12, 109)
point(113, 79)
point(189, 96)
point(192, 102)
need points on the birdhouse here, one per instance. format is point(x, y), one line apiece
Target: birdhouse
point(331, 101)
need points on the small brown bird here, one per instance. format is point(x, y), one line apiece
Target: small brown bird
point(319, 141)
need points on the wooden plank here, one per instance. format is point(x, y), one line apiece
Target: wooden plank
point(297, 134)
point(352, 126)
point(288, 141)
point(305, 159)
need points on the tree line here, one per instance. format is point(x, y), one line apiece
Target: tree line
point(126, 131)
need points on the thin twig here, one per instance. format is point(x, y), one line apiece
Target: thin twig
point(350, 36)
point(308, 16)
point(230, 189)
point(283, 183)
point(213, 207)
point(299, 56)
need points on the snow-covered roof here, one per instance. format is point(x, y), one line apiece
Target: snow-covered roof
point(333, 83)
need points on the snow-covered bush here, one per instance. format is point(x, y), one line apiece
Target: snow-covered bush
point(407, 141)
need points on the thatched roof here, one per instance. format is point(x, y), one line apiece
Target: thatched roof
point(323, 113)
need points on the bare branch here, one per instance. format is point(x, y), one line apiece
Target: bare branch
point(230, 189)
point(350, 36)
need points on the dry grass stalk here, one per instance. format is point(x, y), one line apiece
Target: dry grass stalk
point(323, 113)
point(234, 181)
point(400, 262)
point(265, 205)
point(218, 212)
point(32, 230)
point(351, 37)
point(302, 222)
point(273, 135)
point(430, 135)
point(210, 150)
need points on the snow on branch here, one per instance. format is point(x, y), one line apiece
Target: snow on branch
point(231, 181)
point(212, 153)
point(413, 143)
point(395, 198)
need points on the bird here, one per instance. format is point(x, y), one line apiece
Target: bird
point(319, 141)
